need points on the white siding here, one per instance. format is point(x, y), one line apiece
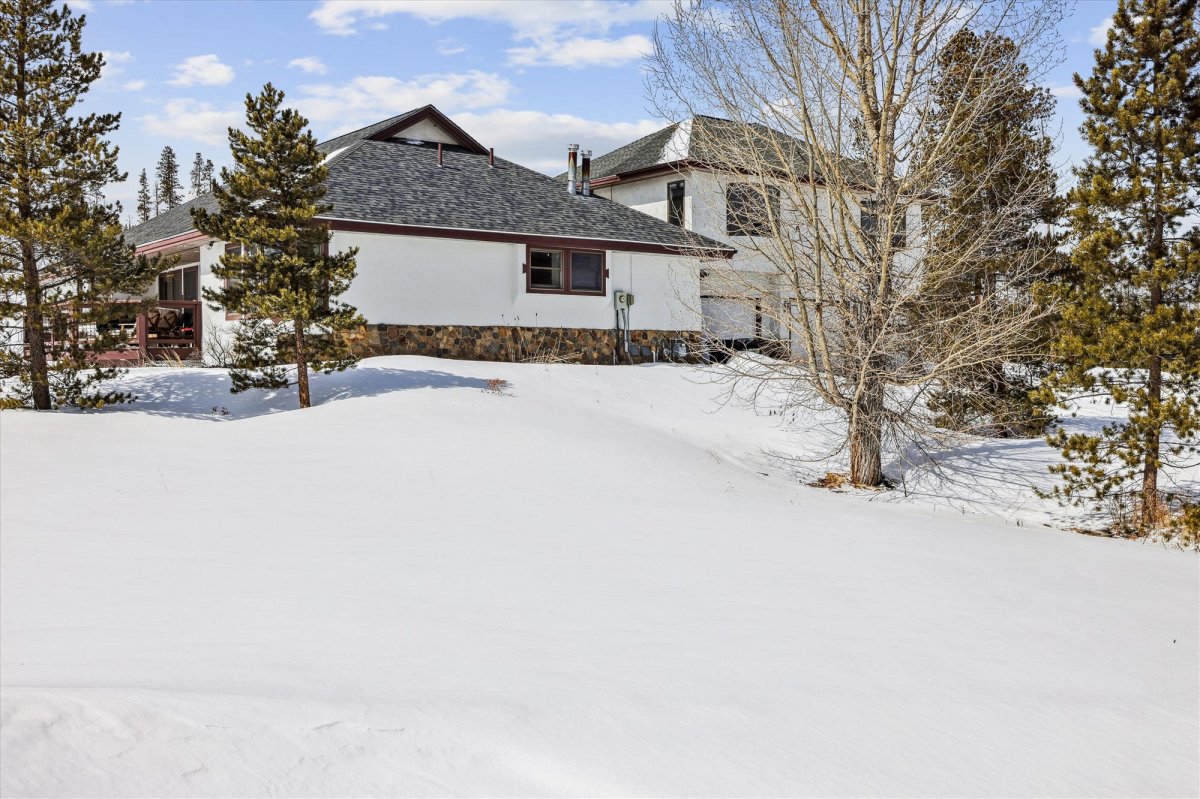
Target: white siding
point(436, 281)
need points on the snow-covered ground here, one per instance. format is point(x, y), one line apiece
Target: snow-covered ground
point(599, 582)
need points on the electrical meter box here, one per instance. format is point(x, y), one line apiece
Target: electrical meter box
point(623, 299)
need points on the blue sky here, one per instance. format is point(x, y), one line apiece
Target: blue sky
point(525, 76)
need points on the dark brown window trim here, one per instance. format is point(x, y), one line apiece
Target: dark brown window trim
point(566, 271)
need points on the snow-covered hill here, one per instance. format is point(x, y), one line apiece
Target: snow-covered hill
point(598, 582)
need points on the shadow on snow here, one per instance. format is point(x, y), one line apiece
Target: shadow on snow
point(204, 393)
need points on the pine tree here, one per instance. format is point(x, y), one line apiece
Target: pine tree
point(144, 207)
point(196, 173)
point(62, 253)
point(201, 175)
point(284, 282)
point(1004, 153)
point(168, 189)
point(1131, 323)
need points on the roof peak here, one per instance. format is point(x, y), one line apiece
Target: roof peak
point(385, 128)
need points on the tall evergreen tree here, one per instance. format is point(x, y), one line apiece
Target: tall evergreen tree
point(1131, 323)
point(284, 282)
point(144, 207)
point(201, 175)
point(168, 189)
point(62, 254)
point(1004, 153)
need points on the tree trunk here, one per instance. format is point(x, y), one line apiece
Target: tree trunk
point(35, 331)
point(301, 365)
point(1150, 509)
point(1150, 445)
point(866, 439)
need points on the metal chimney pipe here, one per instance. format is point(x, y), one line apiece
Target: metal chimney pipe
point(572, 154)
point(587, 173)
point(439, 153)
point(491, 156)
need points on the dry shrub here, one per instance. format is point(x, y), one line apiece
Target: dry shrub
point(832, 480)
point(1174, 520)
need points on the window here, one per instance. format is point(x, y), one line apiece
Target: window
point(546, 269)
point(675, 203)
point(587, 271)
point(868, 217)
point(749, 209)
point(179, 284)
point(564, 271)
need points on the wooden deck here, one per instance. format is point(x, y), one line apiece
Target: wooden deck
point(153, 339)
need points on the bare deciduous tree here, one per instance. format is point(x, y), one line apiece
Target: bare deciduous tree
point(830, 137)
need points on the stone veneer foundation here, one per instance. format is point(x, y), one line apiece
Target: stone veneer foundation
point(576, 345)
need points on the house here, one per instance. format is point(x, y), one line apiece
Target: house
point(681, 175)
point(460, 254)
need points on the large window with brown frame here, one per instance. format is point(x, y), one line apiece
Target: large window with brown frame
point(550, 270)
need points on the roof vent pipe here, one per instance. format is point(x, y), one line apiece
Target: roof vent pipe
point(491, 156)
point(587, 173)
point(572, 154)
point(439, 153)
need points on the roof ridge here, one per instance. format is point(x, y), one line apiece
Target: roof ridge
point(384, 122)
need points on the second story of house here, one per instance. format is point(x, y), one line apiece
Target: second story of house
point(675, 174)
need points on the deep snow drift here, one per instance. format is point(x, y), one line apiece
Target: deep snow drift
point(596, 583)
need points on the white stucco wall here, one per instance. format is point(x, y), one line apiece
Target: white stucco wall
point(436, 281)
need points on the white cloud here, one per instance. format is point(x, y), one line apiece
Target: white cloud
point(80, 6)
point(133, 85)
point(114, 66)
point(1066, 90)
point(203, 70)
point(549, 32)
point(341, 17)
point(309, 64)
point(370, 98)
point(190, 119)
point(539, 140)
point(1099, 34)
point(580, 52)
point(450, 46)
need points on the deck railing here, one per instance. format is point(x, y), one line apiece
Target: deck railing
point(164, 330)
point(170, 329)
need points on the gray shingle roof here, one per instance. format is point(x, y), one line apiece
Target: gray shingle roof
point(646, 151)
point(402, 184)
point(169, 223)
point(706, 140)
point(397, 183)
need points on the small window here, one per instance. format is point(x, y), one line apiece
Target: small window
point(675, 203)
point(869, 223)
point(587, 271)
point(868, 219)
point(546, 269)
point(750, 209)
